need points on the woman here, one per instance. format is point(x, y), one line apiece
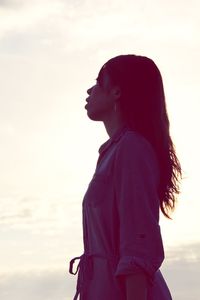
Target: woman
point(137, 173)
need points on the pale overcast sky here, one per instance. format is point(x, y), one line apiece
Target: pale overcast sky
point(50, 54)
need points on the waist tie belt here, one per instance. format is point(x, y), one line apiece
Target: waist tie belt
point(85, 271)
point(85, 268)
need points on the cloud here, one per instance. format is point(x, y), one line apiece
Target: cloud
point(36, 285)
point(9, 3)
point(28, 16)
point(45, 213)
point(182, 277)
point(53, 283)
point(188, 252)
point(6, 129)
point(79, 25)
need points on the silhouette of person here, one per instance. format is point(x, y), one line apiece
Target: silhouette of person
point(136, 176)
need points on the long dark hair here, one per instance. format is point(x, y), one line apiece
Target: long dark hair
point(143, 106)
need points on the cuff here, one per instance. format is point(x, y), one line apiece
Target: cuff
point(135, 265)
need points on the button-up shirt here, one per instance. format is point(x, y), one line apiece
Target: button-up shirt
point(120, 214)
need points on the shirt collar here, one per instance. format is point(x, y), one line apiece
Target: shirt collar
point(116, 136)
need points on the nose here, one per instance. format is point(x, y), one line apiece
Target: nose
point(89, 91)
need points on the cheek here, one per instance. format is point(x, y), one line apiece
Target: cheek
point(99, 100)
point(95, 91)
point(98, 108)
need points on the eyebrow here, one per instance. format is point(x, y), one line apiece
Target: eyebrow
point(100, 76)
point(99, 79)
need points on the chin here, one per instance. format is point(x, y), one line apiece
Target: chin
point(93, 116)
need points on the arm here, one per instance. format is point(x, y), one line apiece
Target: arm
point(136, 287)
point(136, 180)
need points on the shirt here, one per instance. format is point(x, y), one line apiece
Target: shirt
point(120, 217)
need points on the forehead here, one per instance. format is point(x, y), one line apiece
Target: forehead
point(104, 77)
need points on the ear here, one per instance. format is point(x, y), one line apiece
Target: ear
point(116, 91)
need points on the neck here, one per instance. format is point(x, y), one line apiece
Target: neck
point(112, 127)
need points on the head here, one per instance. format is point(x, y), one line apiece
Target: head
point(134, 85)
point(131, 87)
point(103, 100)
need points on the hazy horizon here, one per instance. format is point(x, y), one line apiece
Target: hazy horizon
point(50, 54)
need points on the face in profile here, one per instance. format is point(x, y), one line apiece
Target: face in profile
point(101, 99)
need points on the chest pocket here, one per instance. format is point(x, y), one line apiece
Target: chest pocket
point(98, 190)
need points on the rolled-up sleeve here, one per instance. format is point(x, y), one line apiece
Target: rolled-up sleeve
point(136, 178)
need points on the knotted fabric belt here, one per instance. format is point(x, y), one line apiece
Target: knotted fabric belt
point(85, 268)
point(85, 271)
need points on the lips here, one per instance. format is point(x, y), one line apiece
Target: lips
point(87, 100)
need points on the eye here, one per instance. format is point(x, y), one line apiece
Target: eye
point(98, 81)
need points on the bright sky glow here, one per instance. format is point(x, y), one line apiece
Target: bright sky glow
point(50, 54)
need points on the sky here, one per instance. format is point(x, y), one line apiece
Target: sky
point(50, 54)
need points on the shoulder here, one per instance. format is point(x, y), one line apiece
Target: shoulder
point(134, 142)
point(134, 148)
